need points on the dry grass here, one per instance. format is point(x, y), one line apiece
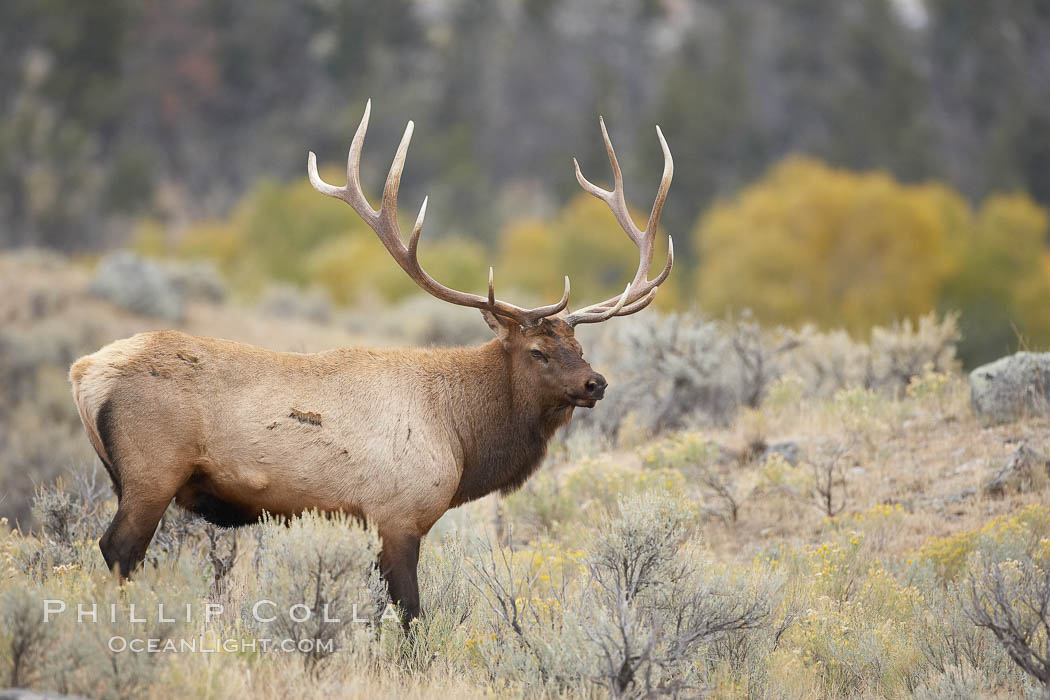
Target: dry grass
point(928, 456)
point(41, 286)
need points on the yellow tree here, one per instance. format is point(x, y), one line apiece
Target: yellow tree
point(356, 268)
point(1002, 286)
point(288, 233)
point(812, 243)
point(581, 240)
point(270, 234)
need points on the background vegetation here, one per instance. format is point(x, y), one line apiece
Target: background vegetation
point(867, 161)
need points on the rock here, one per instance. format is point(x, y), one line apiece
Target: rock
point(1011, 388)
point(137, 285)
point(1025, 471)
point(790, 450)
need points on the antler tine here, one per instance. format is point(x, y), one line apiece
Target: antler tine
point(641, 290)
point(353, 162)
point(417, 228)
point(602, 315)
point(352, 193)
point(393, 178)
point(639, 305)
point(661, 192)
point(619, 309)
point(384, 223)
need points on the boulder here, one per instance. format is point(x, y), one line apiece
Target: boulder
point(790, 450)
point(1026, 470)
point(1010, 388)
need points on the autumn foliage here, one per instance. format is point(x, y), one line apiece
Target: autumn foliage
point(812, 243)
point(807, 243)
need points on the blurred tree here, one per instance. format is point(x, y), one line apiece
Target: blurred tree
point(274, 229)
point(1032, 154)
point(987, 68)
point(1002, 286)
point(749, 85)
point(584, 242)
point(808, 242)
point(708, 115)
point(59, 115)
point(854, 96)
point(289, 233)
point(355, 269)
point(269, 235)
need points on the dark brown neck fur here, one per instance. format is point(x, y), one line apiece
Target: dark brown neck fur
point(502, 427)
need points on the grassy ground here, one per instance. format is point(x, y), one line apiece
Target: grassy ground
point(709, 560)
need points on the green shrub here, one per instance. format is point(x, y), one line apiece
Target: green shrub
point(633, 623)
point(558, 505)
point(703, 464)
point(1011, 600)
point(26, 640)
point(319, 573)
point(1021, 535)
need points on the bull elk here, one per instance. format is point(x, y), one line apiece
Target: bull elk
point(398, 437)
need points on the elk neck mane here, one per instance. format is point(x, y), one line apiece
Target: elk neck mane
point(502, 426)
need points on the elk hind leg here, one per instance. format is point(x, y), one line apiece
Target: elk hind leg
point(127, 538)
point(147, 474)
point(145, 494)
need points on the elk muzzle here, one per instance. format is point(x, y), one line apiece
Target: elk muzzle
point(593, 391)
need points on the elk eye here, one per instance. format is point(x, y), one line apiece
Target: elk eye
point(539, 355)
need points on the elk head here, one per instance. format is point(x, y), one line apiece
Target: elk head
point(540, 342)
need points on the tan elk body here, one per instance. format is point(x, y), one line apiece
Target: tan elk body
point(398, 437)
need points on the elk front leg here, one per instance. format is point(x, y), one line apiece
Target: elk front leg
point(397, 564)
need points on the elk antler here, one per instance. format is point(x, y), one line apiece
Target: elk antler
point(640, 291)
point(384, 223)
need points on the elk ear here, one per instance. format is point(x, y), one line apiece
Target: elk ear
point(504, 328)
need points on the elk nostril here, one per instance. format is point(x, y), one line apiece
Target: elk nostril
point(590, 386)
